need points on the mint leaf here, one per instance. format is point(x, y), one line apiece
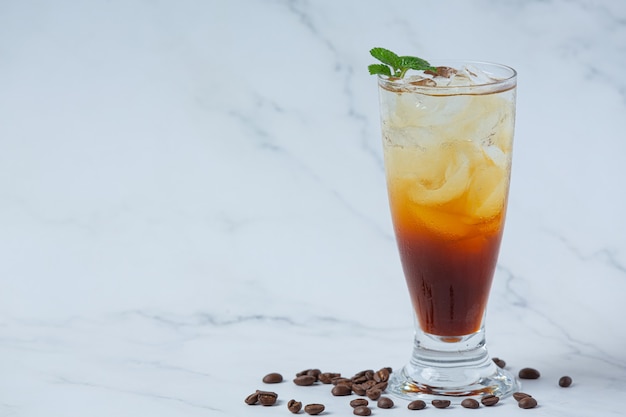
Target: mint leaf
point(394, 65)
point(379, 69)
point(385, 56)
point(414, 63)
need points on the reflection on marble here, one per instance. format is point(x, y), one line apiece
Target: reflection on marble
point(193, 196)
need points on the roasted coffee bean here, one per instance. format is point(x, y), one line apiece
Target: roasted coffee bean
point(359, 379)
point(314, 372)
point(441, 403)
point(273, 378)
point(341, 390)
point(381, 386)
point(385, 402)
point(369, 374)
point(416, 405)
point(303, 372)
point(340, 380)
point(470, 403)
point(294, 406)
point(368, 384)
point(358, 389)
point(359, 402)
point(528, 402)
point(528, 373)
point(304, 380)
point(499, 362)
point(382, 375)
point(565, 381)
point(373, 393)
point(314, 409)
point(327, 377)
point(363, 373)
point(362, 411)
point(520, 395)
point(267, 397)
point(252, 398)
point(489, 400)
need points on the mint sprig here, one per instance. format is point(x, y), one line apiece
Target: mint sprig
point(394, 65)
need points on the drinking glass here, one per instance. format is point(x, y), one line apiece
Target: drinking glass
point(447, 150)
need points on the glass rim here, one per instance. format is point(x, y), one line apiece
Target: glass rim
point(506, 81)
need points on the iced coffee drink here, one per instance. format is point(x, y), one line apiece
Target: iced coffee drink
point(447, 137)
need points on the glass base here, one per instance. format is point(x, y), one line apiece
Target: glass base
point(451, 368)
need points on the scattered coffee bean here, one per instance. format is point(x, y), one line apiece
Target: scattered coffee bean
point(327, 377)
point(340, 380)
point(489, 400)
point(382, 375)
point(441, 403)
point(527, 402)
point(314, 409)
point(520, 395)
point(294, 406)
point(341, 390)
point(314, 373)
point(470, 403)
point(385, 402)
point(362, 411)
point(416, 405)
point(273, 378)
point(528, 373)
point(565, 381)
point(358, 389)
point(499, 362)
point(267, 397)
point(304, 380)
point(373, 393)
point(381, 386)
point(359, 402)
point(252, 398)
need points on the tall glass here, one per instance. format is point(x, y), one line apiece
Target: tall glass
point(447, 151)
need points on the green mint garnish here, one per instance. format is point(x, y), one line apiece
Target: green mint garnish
point(394, 65)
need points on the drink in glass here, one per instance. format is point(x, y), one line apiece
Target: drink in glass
point(447, 140)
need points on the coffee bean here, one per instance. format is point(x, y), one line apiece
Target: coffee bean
point(314, 409)
point(359, 379)
point(267, 397)
point(273, 378)
point(252, 398)
point(382, 375)
point(362, 411)
point(416, 405)
point(528, 373)
point(359, 402)
point(441, 403)
point(294, 406)
point(499, 362)
point(340, 380)
point(327, 377)
point(314, 373)
point(385, 402)
point(373, 393)
point(304, 380)
point(364, 373)
point(304, 372)
point(489, 400)
point(358, 389)
point(470, 403)
point(565, 381)
point(341, 390)
point(381, 386)
point(528, 402)
point(520, 395)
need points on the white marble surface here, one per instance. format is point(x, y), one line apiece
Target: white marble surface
point(193, 196)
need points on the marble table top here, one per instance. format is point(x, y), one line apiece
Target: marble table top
point(193, 196)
